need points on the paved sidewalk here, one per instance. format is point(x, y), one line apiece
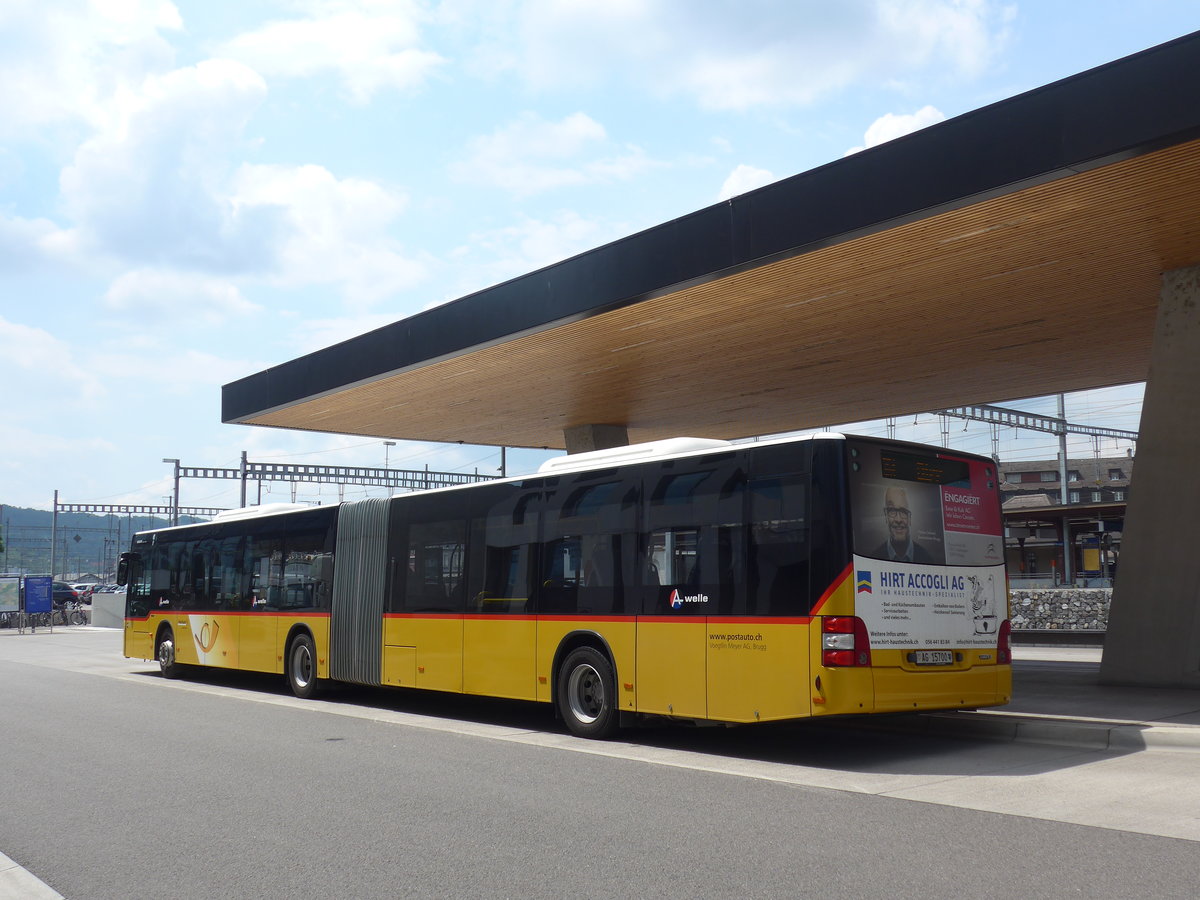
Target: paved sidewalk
point(1058, 699)
point(17, 883)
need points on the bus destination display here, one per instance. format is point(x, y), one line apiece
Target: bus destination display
point(923, 469)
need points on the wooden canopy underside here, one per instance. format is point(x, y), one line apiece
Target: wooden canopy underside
point(1051, 288)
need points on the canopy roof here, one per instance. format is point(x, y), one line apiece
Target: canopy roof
point(1009, 252)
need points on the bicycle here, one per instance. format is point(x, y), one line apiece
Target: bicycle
point(74, 613)
point(33, 620)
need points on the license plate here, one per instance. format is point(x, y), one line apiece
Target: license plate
point(933, 657)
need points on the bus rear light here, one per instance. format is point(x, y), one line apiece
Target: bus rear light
point(837, 657)
point(844, 641)
point(1004, 644)
point(837, 642)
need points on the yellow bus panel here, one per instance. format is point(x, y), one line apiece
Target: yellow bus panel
point(438, 641)
point(205, 639)
point(970, 681)
point(400, 666)
point(757, 672)
point(498, 657)
point(672, 659)
point(258, 644)
point(139, 639)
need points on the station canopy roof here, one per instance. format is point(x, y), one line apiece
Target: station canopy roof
point(1009, 252)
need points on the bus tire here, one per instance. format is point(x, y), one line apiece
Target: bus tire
point(164, 652)
point(587, 694)
point(302, 667)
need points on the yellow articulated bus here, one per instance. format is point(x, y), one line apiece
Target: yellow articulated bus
point(688, 578)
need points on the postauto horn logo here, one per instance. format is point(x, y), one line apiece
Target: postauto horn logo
point(677, 599)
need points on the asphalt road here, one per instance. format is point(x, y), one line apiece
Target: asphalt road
point(118, 784)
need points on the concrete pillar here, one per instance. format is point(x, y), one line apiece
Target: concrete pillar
point(1154, 625)
point(582, 438)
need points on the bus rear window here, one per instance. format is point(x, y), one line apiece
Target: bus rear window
point(930, 509)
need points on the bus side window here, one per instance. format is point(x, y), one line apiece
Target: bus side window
point(779, 546)
point(693, 547)
point(503, 536)
point(589, 543)
point(437, 552)
point(264, 563)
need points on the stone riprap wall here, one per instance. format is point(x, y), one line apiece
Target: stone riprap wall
point(1060, 609)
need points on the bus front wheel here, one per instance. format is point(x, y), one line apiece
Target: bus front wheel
point(302, 667)
point(164, 652)
point(587, 694)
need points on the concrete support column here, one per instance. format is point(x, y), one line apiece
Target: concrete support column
point(1154, 625)
point(582, 438)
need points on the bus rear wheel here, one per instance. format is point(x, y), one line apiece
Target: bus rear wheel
point(587, 694)
point(302, 667)
point(164, 652)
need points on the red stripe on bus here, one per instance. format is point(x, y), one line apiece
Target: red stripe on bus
point(498, 617)
point(167, 613)
point(837, 583)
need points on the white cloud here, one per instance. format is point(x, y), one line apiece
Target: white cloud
point(64, 61)
point(158, 191)
point(335, 230)
point(368, 44)
point(890, 126)
point(153, 295)
point(742, 179)
point(25, 243)
point(530, 155)
point(148, 186)
point(32, 356)
point(758, 53)
point(172, 366)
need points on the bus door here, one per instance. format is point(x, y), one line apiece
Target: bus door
point(139, 571)
point(499, 628)
point(671, 634)
point(690, 559)
point(758, 642)
point(206, 626)
point(423, 634)
point(254, 606)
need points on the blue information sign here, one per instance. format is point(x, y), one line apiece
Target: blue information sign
point(39, 592)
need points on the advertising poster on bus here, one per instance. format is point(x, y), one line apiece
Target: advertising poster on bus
point(928, 548)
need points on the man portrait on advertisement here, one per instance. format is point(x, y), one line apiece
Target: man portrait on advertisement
point(900, 545)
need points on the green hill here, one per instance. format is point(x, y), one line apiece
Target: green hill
point(86, 543)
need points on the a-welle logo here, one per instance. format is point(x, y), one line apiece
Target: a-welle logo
point(677, 599)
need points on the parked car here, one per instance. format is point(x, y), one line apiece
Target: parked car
point(63, 593)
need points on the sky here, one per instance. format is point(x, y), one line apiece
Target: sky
point(192, 192)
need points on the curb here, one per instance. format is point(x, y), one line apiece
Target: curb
point(1087, 734)
point(17, 883)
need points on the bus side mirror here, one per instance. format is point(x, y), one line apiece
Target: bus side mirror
point(127, 567)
